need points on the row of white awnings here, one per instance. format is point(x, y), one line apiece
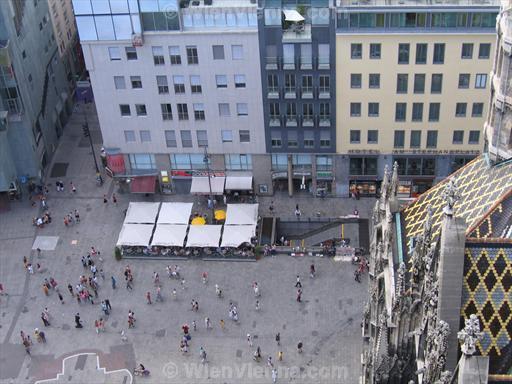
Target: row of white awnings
point(292, 15)
point(201, 186)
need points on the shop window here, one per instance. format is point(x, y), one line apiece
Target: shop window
point(363, 166)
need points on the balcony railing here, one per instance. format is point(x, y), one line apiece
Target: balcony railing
point(307, 92)
point(275, 121)
point(324, 121)
point(290, 92)
point(291, 121)
point(297, 33)
point(308, 121)
point(324, 92)
point(272, 63)
point(273, 92)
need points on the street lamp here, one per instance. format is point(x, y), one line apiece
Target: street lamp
point(206, 160)
point(87, 133)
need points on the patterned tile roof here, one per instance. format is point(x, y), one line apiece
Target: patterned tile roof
point(497, 222)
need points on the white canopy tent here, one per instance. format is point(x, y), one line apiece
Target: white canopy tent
point(141, 213)
point(292, 15)
point(204, 236)
point(175, 213)
point(241, 214)
point(200, 185)
point(135, 235)
point(235, 235)
point(169, 235)
point(238, 183)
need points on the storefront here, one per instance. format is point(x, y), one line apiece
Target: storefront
point(181, 180)
point(324, 181)
point(280, 181)
point(365, 188)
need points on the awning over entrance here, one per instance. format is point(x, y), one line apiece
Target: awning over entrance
point(292, 15)
point(143, 184)
point(116, 164)
point(238, 183)
point(200, 185)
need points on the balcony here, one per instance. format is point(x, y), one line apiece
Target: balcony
point(307, 121)
point(324, 93)
point(324, 121)
point(275, 121)
point(297, 33)
point(290, 93)
point(291, 121)
point(273, 93)
point(272, 63)
point(307, 92)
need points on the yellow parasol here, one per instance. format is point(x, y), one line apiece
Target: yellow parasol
point(199, 220)
point(220, 214)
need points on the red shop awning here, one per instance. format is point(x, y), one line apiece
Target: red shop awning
point(143, 184)
point(116, 164)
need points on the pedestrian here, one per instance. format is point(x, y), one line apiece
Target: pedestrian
point(194, 325)
point(357, 275)
point(156, 279)
point(202, 355)
point(129, 283)
point(114, 199)
point(249, 340)
point(299, 347)
point(38, 250)
point(78, 323)
point(274, 375)
point(40, 336)
point(105, 201)
point(104, 308)
point(278, 339)
point(257, 305)
point(77, 216)
point(148, 297)
point(183, 284)
point(70, 289)
point(60, 297)
point(107, 303)
point(113, 280)
point(26, 344)
point(225, 200)
point(174, 294)
point(44, 317)
point(280, 355)
point(271, 207)
point(159, 295)
point(270, 363)
point(207, 322)
point(297, 211)
point(73, 188)
point(45, 289)
point(222, 324)
point(312, 271)
point(299, 295)
point(298, 284)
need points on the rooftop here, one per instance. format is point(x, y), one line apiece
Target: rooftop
point(417, 3)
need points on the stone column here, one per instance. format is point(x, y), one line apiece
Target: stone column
point(313, 175)
point(473, 369)
point(290, 176)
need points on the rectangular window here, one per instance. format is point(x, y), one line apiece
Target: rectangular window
point(464, 80)
point(325, 113)
point(240, 81)
point(309, 139)
point(467, 51)
point(355, 109)
point(145, 136)
point(306, 56)
point(400, 111)
point(274, 111)
point(289, 56)
point(375, 49)
point(275, 139)
point(458, 137)
point(131, 53)
point(195, 84)
point(199, 111)
point(421, 53)
point(221, 81)
point(170, 139)
point(419, 83)
point(141, 109)
point(324, 84)
point(355, 136)
point(218, 52)
point(182, 112)
point(374, 80)
point(417, 112)
point(245, 136)
point(192, 57)
point(401, 82)
point(291, 113)
point(238, 162)
point(477, 109)
point(237, 52)
point(307, 114)
point(323, 56)
point(158, 55)
point(415, 139)
point(119, 82)
point(474, 137)
point(373, 109)
point(272, 83)
point(355, 80)
point(356, 51)
point(433, 111)
point(174, 55)
point(307, 86)
point(163, 86)
point(227, 135)
point(484, 51)
point(125, 109)
point(480, 80)
point(373, 136)
point(292, 141)
point(289, 83)
point(403, 53)
point(363, 166)
point(186, 139)
point(431, 139)
point(179, 84)
point(438, 53)
point(325, 139)
point(114, 53)
point(224, 110)
point(460, 109)
point(136, 82)
point(142, 161)
point(242, 109)
point(129, 136)
point(399, 139)
point(437, 83)
point(166, 111)
point(202, 138)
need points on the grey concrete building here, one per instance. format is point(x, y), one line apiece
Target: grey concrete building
point(34, 92)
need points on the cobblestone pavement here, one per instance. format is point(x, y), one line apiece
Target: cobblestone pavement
point(327, 321)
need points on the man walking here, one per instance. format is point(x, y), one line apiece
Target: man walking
point(278, 339)
point(78, 323)
point(113, 279)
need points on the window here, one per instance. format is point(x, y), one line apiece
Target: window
point(238, 162)
point(119, 82)
point(242, 109)
point(458, 137)
point(325, 139)
point(306, 56)
point(484, 51)
point(460, 109)
point(373, 109)
point(373, 136)
point(142, 161)
point(166, 111)
point(245, 136)
point(170, 139)
point(218, 52)
point(125, 110)
point(136, 82)
point(182, 112)
point(131, 53)
point(179, 84)
point(400, 111)
point(186, 139)
point(325, 113)
point(274, 111)
point(237, 52)
point(272, 83)
point(324, 163)
point(375, 49)
point(403, 53)
point(224, 110)
point(433, 111)
point(307, 114)
point(199, 111)
point(222, 81)
point(477, 109)
point(192, 57)
point(419, 83)
point(467, 51)
point(417, 111)
point(188, 161)
point(363, 166)
point(474, 137)
point(289, 83)
point(288, 56)
point(202, 138)
point(292, 141)
point(356, 51)
point(114, 53)
point(324, 84)
point(355, 109)
point(158, 55)
point(309, 139)
point(145, 136)
point(323, 56)
point(438, 53)
point(163, 86)
point(129, 136)
point(421, 53)
point(464, 79)
point(307, 85)
point(480, 80)
point(195, 84)
point(374, 80)
point(437, 83)
point(431, 139)
point(355, 80)
point(174, 55)
point(239, 81)
point(415, 139)
point(401, 82)
point(275, 139)
point(141, 109)
point(355, 136)
point(399, 139)
point(291, 113)
point(227, 135)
